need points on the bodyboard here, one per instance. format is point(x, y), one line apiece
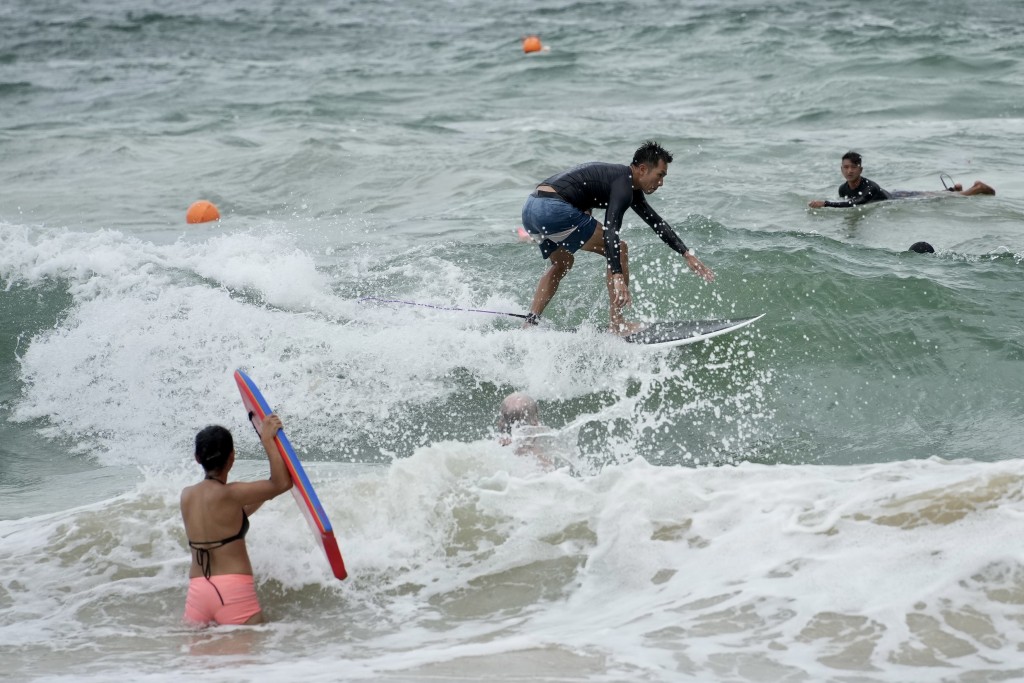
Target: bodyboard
point(302, 490)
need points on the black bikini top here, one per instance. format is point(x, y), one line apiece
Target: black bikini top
point(203, 548)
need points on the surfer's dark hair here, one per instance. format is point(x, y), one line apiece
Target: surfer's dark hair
point(213, 447)
point(651, 153)
point(852, 156)
point(922, 248)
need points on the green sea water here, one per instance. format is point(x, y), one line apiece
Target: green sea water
point(385, 149)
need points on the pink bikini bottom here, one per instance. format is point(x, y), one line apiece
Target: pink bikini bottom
point(221, 599)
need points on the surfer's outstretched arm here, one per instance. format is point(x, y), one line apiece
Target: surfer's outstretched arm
point(667, 235)
point(698, 267)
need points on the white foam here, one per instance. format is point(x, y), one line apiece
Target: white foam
point(156, 325)
point(466, 553)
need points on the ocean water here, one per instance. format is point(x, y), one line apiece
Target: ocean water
point(833, 494)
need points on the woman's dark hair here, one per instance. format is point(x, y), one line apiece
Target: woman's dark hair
point(852, 156)
point(213, 447)
point(651, 153)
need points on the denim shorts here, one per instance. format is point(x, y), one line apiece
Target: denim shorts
point(557, 224)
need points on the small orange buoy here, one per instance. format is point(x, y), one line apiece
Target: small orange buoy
point(531, 44)
point(202, 212)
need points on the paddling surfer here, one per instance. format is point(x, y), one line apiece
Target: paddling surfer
point(858, 190)
point(558, 215)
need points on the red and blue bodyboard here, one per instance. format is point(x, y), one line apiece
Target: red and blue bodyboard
point(257, 408)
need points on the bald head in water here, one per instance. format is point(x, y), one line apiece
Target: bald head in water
point(517, 409)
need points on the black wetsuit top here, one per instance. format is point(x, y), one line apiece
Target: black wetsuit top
point(598, 185)
point(868, 191)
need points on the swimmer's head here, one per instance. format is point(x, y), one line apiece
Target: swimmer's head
point(922, 248)
point(853, 158)
point(517, 409)
point(214, 446)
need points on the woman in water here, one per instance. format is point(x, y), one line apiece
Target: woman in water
point(216, 516)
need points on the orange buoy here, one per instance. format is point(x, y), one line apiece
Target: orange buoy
point(531, 44)
point(202, 212)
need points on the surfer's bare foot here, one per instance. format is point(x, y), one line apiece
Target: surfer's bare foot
point(978, 188)
point(624, 329)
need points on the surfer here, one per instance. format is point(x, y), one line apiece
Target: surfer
point(858, 190)
point(221, 588)
point(558, 215)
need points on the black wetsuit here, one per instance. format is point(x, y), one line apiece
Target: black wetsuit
point(610, 186)
point(868, 191)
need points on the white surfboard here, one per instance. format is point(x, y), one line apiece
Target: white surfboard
point(682, 332)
